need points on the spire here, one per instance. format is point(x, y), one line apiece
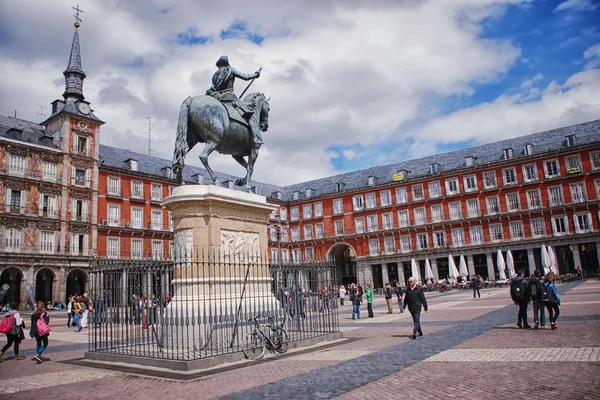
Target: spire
point(74, 74)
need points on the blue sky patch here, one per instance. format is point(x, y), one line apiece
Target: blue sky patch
point(190, 37)
point(239, 30)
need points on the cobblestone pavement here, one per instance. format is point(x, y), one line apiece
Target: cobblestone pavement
point(471, 348)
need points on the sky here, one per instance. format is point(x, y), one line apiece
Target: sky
point(353, 83)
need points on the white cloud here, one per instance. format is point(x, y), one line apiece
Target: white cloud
point(592, 55)
point(578, 5)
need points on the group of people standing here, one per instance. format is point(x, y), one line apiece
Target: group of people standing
point(541, 291)
point(39, 330)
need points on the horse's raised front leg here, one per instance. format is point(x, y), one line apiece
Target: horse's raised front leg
point(242, 161)
point(251, 160)
point(208, 148)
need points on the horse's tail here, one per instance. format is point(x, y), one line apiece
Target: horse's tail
point(181, 143)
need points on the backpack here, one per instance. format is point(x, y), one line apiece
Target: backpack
point(520, 289)
point(534, 289)
point(42, 327)
point(546, 294)
point(7, 324)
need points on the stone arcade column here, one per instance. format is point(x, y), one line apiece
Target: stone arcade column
point(215, 226)
point(531, 261)
point(490, 266)
point(434, 269)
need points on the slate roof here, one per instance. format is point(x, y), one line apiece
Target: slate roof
point(30, 131)
point(70, 106)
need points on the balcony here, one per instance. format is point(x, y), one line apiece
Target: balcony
point(15, 209)
point(80, 218)
point(81, 182)
point(137, 196)
point(112, 191)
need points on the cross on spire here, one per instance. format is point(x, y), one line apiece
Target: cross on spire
point(76, 15)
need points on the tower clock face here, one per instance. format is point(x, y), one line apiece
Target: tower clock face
point(84, 108)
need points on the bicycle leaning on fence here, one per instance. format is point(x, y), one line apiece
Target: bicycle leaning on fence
point(255, 342)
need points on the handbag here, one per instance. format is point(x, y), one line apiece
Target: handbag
point(42, 327)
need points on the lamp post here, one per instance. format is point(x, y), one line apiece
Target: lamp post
point(277, 227)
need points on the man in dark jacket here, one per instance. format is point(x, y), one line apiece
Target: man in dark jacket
point(535, 288)
point(415, 300)
point(399, 293)
point(519, 293)
point(476, 286)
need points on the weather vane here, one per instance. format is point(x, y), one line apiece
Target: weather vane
point(77, 19)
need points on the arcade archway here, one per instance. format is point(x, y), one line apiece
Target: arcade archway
point(11, 277)
point(343, 255)
point(76, 283)
point(43, 285)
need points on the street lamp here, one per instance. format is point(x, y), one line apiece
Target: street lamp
point(277, 228)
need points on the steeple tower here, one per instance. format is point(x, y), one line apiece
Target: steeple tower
point(74, 74)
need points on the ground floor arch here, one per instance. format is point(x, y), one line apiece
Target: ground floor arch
point(44, 282)
point(76, 283)
point(343, 255)
point(11, 277)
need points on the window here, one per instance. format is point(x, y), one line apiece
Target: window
point(374, 247)
point(272, 233)
point(528, 149)
point(476, 234)
point(17, 201)
point(508, 154)
point(551, 168)
point(359, 225)
point(439, 239)
point(372, 224)
point(307, 211)
point(538, 228)
point(294, 213)
point(114, 215)
point(434, 168)
point(338, 206)
point(114, 186)
point(82, 147)
point(555, 196)
point(493, 205)
point(510, 177)
point(419, 214)
point(489, 180)
point(597, 184)
point(389, 244)
point(455, 211)
point(512, 202)
point(137, 248)
point(79, 212)
point(473, 208)
point(320, 231)
point(469, 161)
point(339, 227)
point(401, 195)
point(284, 234)
point(47, 242)
point(137, 218)
point(49, 206)
point(80, 176)
point(79, 245)
point(422, 241)
point(285, 255)
point(385, 198)
point(595, 160)
point(403, 220)
point(133, 165)
point(405, 245)
point(295, 233)
point(470, 183)
point(578, 192)
point(573, 164)
point(157, 249)
point(113, 248)
point(417, 192)
point(371, 180)
point(318, 210)
point(50, 171)
point(570, 140)
point(339, 187)
point(371, 200)
point(283, 213)
point(12, 239)
point(583, 222)
point(530, 173)
point(534, 201)
point(496, 232)
point(308, 232)
point(357, 203)
point(137, 189)
point(170, 217)
point(310, 253)
point(434, 190)
point(387, 220)
point(156, 192)
point(308, 193)
point(458, 237)
point(452, 186)
point(17, 165)
point(516, 230)
point(295, 195)
point(560, 225)
point(295, 255)
point(436, 213)
point(157, 222)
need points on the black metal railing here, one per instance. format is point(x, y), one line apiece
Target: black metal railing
point(188, 310)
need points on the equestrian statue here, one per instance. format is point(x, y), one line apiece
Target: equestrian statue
point(223, 123)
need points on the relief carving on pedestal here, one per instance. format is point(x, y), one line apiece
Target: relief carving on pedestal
point(183, 245)
point(240, 245)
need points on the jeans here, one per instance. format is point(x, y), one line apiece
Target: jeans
point(41, 344)
point(539, 313)
point(400, 304)
point(476, 290)
point(553, 312)
point(69, 316)
point(77, 321)
point(417, 323)
point(522, 317)
point(370, 309)
point(10, 339)
point(356, 311)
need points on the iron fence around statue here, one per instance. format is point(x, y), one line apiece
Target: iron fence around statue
point(192, 310)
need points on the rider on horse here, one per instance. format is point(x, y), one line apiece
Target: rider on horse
point(222, 90)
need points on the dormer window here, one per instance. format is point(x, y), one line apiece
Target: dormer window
point(528, 149)
point(168, 171)
point(469, 160)
point(434, 168)
point(339, 187)
point(570, 140)
point(231, 184)
point(200, 179)
point(371, 180)
point(133, 164)
point(276, 195)
point(296, 195)
point(508, 154)
point(309, 193)
point(14, 133)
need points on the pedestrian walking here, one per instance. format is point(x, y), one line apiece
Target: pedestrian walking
point(551, 299)
point(15, 336)
point(342, 292)
point(356, 298)
point(70, 311)
point(476, 286)
point(40, 330)
point(415, 300)
point(388, 297)
point(535, 293)
point(369, 296)
point(399, 293)
point(519, 294)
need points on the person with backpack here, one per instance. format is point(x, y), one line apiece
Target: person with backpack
point(519, 293)
point(476, 286)
point(15, 335)
point(535, 293)
point(551, 299)
point(388, 297)
point(40, 330)
point(369, 296)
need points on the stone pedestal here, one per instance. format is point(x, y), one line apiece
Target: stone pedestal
point(221, 269)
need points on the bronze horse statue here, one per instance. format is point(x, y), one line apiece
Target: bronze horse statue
point(203, 119)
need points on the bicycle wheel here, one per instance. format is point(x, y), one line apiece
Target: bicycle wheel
point(280, 339)
point(253, 346)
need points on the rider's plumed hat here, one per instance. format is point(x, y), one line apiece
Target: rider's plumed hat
point(223, 60)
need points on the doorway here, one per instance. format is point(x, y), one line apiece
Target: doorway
point(11, 277)
point(44, 280)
